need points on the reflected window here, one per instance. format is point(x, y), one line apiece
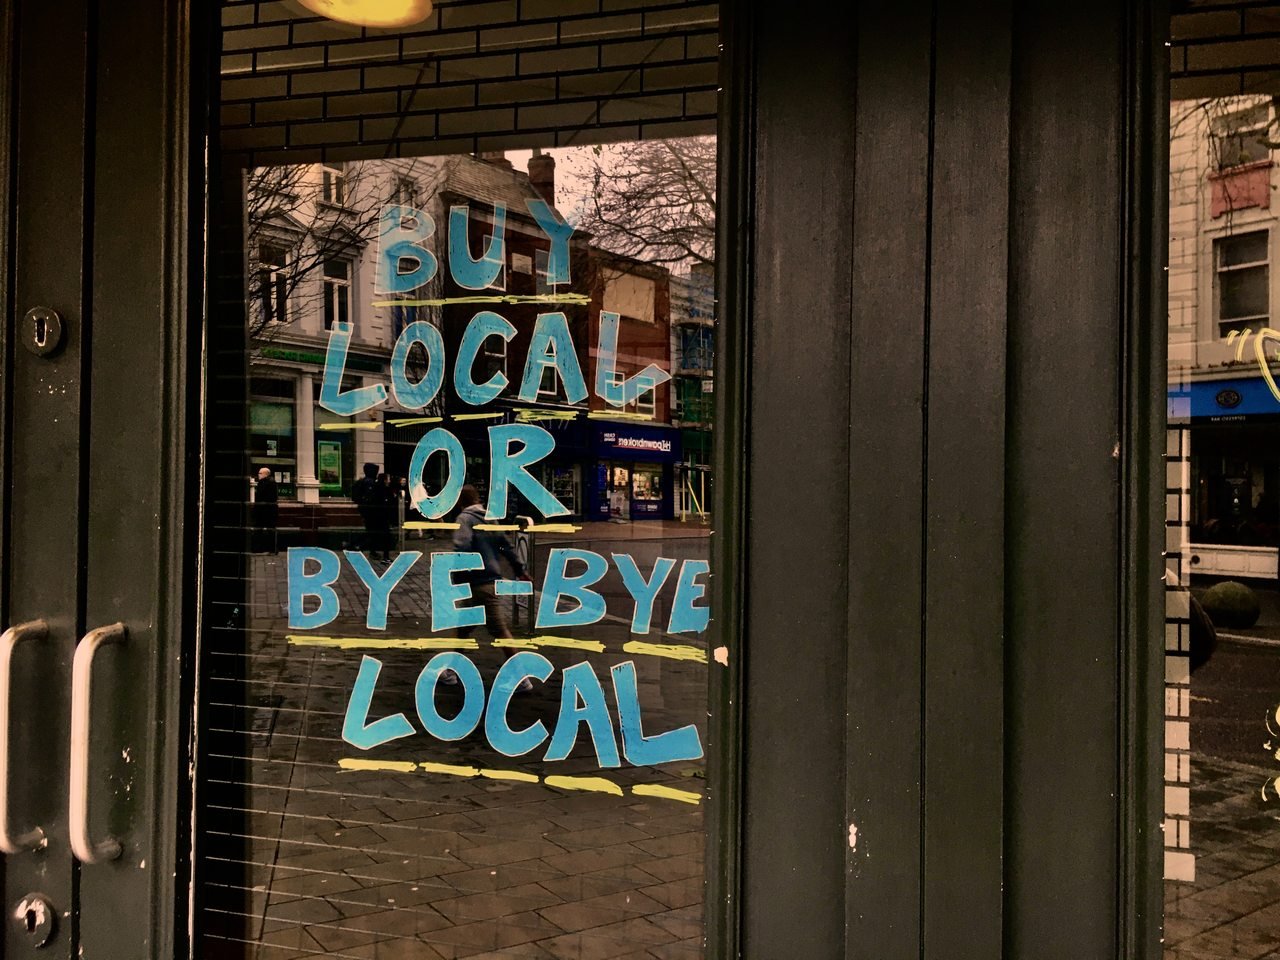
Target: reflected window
point(1244, 290)
point(273, 282)
point(337, 293)
point(333, 183)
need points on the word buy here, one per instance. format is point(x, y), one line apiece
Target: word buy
point(566, 600)
point(406, 262)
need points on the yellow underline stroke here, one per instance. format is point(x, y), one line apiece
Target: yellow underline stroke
point(412, 421)
point(385, 643)
point(552, 528)
point(596, 784)
point(569, 643)
point(427, 525)
point(497, 526)
point(666, 793)
point(477, 416)
point(451, 769)
point(363, 425)
point(504, 298)
point(532, 413)
point(618, 415)
point(674, 651)
point(395, 766)
point(592, 784)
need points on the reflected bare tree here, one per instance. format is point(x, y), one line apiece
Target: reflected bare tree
point(654, 200)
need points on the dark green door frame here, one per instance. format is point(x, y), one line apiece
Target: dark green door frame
point(101, 201)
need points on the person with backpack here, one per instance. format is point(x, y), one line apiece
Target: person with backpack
point(493, 547)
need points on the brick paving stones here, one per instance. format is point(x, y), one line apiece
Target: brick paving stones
point(316, 861)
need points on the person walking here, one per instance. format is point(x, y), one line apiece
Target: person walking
point(265, 513)
point(493, 547)
point(370, 496)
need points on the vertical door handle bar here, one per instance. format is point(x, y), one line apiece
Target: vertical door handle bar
point(33, 839)
point(82, 844)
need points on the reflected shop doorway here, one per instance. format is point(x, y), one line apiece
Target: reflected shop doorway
point(454, 688)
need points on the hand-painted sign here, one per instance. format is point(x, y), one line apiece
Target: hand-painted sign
point(567, 595)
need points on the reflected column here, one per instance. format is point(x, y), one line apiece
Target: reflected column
point(305, 417)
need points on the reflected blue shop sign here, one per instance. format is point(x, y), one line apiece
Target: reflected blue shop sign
point(625, 441)
point(1223, 400)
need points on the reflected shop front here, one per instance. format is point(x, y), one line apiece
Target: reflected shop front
point(639, 480)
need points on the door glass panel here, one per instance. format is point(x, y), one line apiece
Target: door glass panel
point(454, 687)
point(1222, 633)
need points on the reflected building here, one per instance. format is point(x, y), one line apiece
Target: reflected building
point(693, 317)
point(1224, 401)
point(312, 246)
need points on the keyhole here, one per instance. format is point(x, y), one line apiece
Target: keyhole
point(31, 920)
point(42, 331)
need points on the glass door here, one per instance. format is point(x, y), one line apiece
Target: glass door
point(443, 712)
point(1222, 578)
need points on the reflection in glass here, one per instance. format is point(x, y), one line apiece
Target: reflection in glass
point(387, 776)
point(1222, 636)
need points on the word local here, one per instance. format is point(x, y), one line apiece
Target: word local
point(582, 702)
point(314, 570)
point(405, 264)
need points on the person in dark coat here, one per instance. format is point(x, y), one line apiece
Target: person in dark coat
point(371, 497)
point(265, 514)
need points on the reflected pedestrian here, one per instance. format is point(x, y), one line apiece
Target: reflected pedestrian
point(265, 513)
point(493, 547)
point(370, 496)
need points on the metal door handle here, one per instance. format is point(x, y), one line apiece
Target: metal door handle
point(33, 839)
point(82, 844)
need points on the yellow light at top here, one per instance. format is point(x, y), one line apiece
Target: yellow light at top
point(372, 13)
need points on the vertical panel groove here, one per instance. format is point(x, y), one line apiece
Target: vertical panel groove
point(964, 510)
point(798, 498)
point(886, 495)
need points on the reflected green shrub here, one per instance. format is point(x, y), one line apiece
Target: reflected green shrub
point(1231, 604)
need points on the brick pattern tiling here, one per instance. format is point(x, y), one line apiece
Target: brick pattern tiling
point(323, 862)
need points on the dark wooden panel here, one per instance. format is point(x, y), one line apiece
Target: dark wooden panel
point(44, 500)
point(798, 497)
point(1062, 476)
point(964, 565)
point(141, 557)
point(886, 495)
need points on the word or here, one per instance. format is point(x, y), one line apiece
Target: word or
point(582, 704)
point(312, 571)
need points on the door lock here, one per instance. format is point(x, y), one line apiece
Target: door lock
point(42, 330)
point(35, 915)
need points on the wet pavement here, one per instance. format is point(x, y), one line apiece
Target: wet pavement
point(1232, 909)
point(429, 849)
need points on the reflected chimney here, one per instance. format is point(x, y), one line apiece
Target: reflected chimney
point(542, 175)
point(496, 157)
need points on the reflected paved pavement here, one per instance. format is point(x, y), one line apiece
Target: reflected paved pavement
point(314, 861)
